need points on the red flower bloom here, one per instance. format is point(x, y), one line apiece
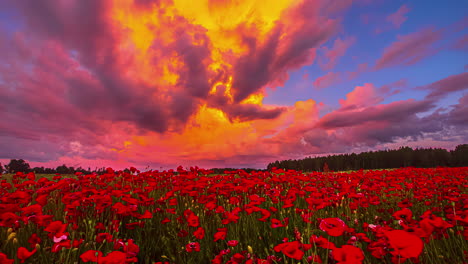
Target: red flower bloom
point(115, 257)
point(292, 249)
point(8, 219)
point(103, 236)
point(193, 220)
point(348, 255)
point(91, 255)
point(237, 258)
point(23, 254)
point(199, 233)
point(405, 244)
point(233, 243)
point(403, 214)
point(221, 234)
point(194, 246)
point(56, 227)
point(4, 259)
point(333, 226)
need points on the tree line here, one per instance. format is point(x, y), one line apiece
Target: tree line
point(382, 159)
point(20, 165)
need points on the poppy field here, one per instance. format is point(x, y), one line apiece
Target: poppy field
point(406, 215)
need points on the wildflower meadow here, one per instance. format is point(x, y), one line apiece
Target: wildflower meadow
point(406, 215)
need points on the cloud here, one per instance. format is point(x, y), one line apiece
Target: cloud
point(390, 112)
point(333, 78)
point(461, 43)
point(450, 84)
point(329, 79)
point(389, 89)
point(409, 49)
point(332, 55)
point(398, 18)
point(458, 116)
point(289, 46)
point(361, 96)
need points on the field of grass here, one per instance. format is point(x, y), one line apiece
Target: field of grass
point(387, 216)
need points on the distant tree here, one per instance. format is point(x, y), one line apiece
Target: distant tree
point(63, 169)
point(460, 155)
point(1, 168)
point(39, 170)
point(18, 166)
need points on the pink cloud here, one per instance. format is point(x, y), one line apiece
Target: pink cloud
point(409, 49)
point(333, 54)
point(327, 80)
point(361, 68)
point(333, 78)
point(461, 43)
point(450, 84)
point(362, 96)
point(398, 18)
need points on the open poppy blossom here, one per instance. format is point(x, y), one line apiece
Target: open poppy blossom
point(404, 244)
point(23, 253)
point(5, 260)
point(294, 249)
point(348, 255)
point(193, 246)
point(333, 226)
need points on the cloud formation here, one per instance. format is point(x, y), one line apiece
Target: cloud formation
point(332, 55)
point(410, 49)
point(398, 18)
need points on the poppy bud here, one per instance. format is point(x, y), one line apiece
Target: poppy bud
point(249, 249)
point(11, 236)
point(15, 241)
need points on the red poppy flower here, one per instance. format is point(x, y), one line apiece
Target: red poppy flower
point(403, 214)
point(199, 233)
point(103, 236)
point(221, 234)
point(56, 227)
point(348, 255)
point(77, 243)
point(194, 246)
point(33, 240)
point(237, 258)
point(62, 244)
point(115, 257)
point(333, 226)
point(404, 244)
point(314, 259)
point(290, 249)
point(131, 248)
point(4, 259)
point(322, 242)
point(233, 243)
point(193, 220)
point(8, 219)
point(23, 254)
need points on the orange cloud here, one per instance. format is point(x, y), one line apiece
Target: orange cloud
point(167, 81)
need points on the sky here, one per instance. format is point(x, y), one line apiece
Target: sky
point(228, 83)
